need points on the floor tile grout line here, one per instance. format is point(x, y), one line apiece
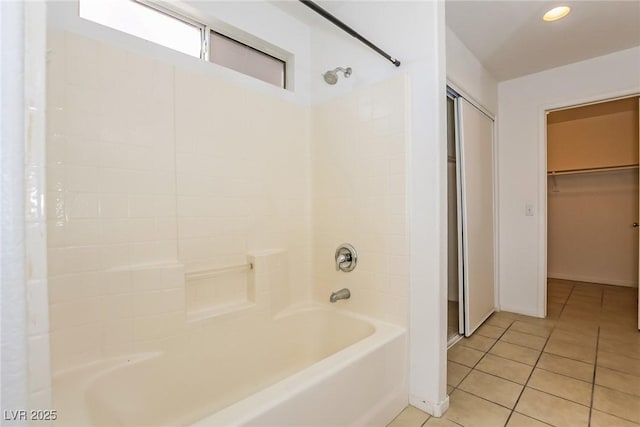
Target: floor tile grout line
point(564, 375)
point(533, 418)
point(556, 325)
point(538, 360)
point(474, 369)
point(617, 416)
point(530, 375)
point(618, 391)
point(497, 376)
point(488, 400)
point(595, 369)
point(619, 371)
point(560, 397)
point(476, 364)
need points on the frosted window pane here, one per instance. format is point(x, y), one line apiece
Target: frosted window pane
point(144, 22)
point(247, 60)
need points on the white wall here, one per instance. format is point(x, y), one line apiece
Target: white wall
point(522, 163)
point(25, 369)
point(467, 73)
point(13, 351)
point(590, 237)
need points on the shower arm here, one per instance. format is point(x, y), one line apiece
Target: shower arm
point(328, 16)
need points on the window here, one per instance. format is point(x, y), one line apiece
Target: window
point(144, 22)
point(151, 22)
point(238, 56)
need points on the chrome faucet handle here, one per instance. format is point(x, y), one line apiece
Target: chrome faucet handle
point(342, 259)
point(346, 258)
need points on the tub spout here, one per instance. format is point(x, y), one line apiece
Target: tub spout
point(341, 294)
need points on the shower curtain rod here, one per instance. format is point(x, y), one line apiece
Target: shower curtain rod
point(325, 14)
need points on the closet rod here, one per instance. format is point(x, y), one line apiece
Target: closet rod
point(593, 170)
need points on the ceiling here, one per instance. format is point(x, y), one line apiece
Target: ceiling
point(511, 39)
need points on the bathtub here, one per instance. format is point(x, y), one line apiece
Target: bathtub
point(315, 366)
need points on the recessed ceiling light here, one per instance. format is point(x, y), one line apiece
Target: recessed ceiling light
point(556, 13)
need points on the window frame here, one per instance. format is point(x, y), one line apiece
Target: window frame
point(284, 62)
point(229, 32)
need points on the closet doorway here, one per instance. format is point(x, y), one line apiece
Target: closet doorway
point(593, 194)
point(471, 216)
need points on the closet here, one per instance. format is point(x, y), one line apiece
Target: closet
point(471, 213)
point(592, 199)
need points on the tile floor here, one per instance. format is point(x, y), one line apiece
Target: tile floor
point(578, 367)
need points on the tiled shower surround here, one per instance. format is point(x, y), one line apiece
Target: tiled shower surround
point(154, 171)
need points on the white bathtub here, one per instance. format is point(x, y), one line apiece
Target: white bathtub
point(316, 367)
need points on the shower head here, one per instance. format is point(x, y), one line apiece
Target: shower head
point(331, 76)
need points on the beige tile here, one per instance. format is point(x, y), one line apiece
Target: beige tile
point(409, 417)
point(554, 310)
point(464, 355)
point(455, 373)
point(617, 403)
point(616, 334)
point(440, 422)
point(619, 363)
point(561, 386)
point(554, 292)
point(569, 367)
point(519, 420)
point(557, 301)
point(551, 409)
point(450, 389)
point(469, 410)
point(505, 368)
point(492, 388)
point(525, 340)
point(501, 319)
point(573, 338)
point(626, 327)
point(527, 328)
point(588, 291)
point(478, 342)
point(584, 301)
point(538, 321)
point(490, 331)
point(624, 348)
point(572, 351)
point(582, 327)
point(515, 352)
point(600, 419)
point(618, 381)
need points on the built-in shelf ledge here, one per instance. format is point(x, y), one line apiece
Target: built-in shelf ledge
point(592, 170)
point(215, 272)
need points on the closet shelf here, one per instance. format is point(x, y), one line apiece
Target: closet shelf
point(592, 170)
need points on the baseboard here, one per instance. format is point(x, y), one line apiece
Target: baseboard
point(434, 409)
point(591, 279)
point(519, 310)
point(453, 340)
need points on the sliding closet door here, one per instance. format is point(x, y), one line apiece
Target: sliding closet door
point(475, 130)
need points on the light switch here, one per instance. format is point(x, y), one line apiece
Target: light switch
point(528, 209)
